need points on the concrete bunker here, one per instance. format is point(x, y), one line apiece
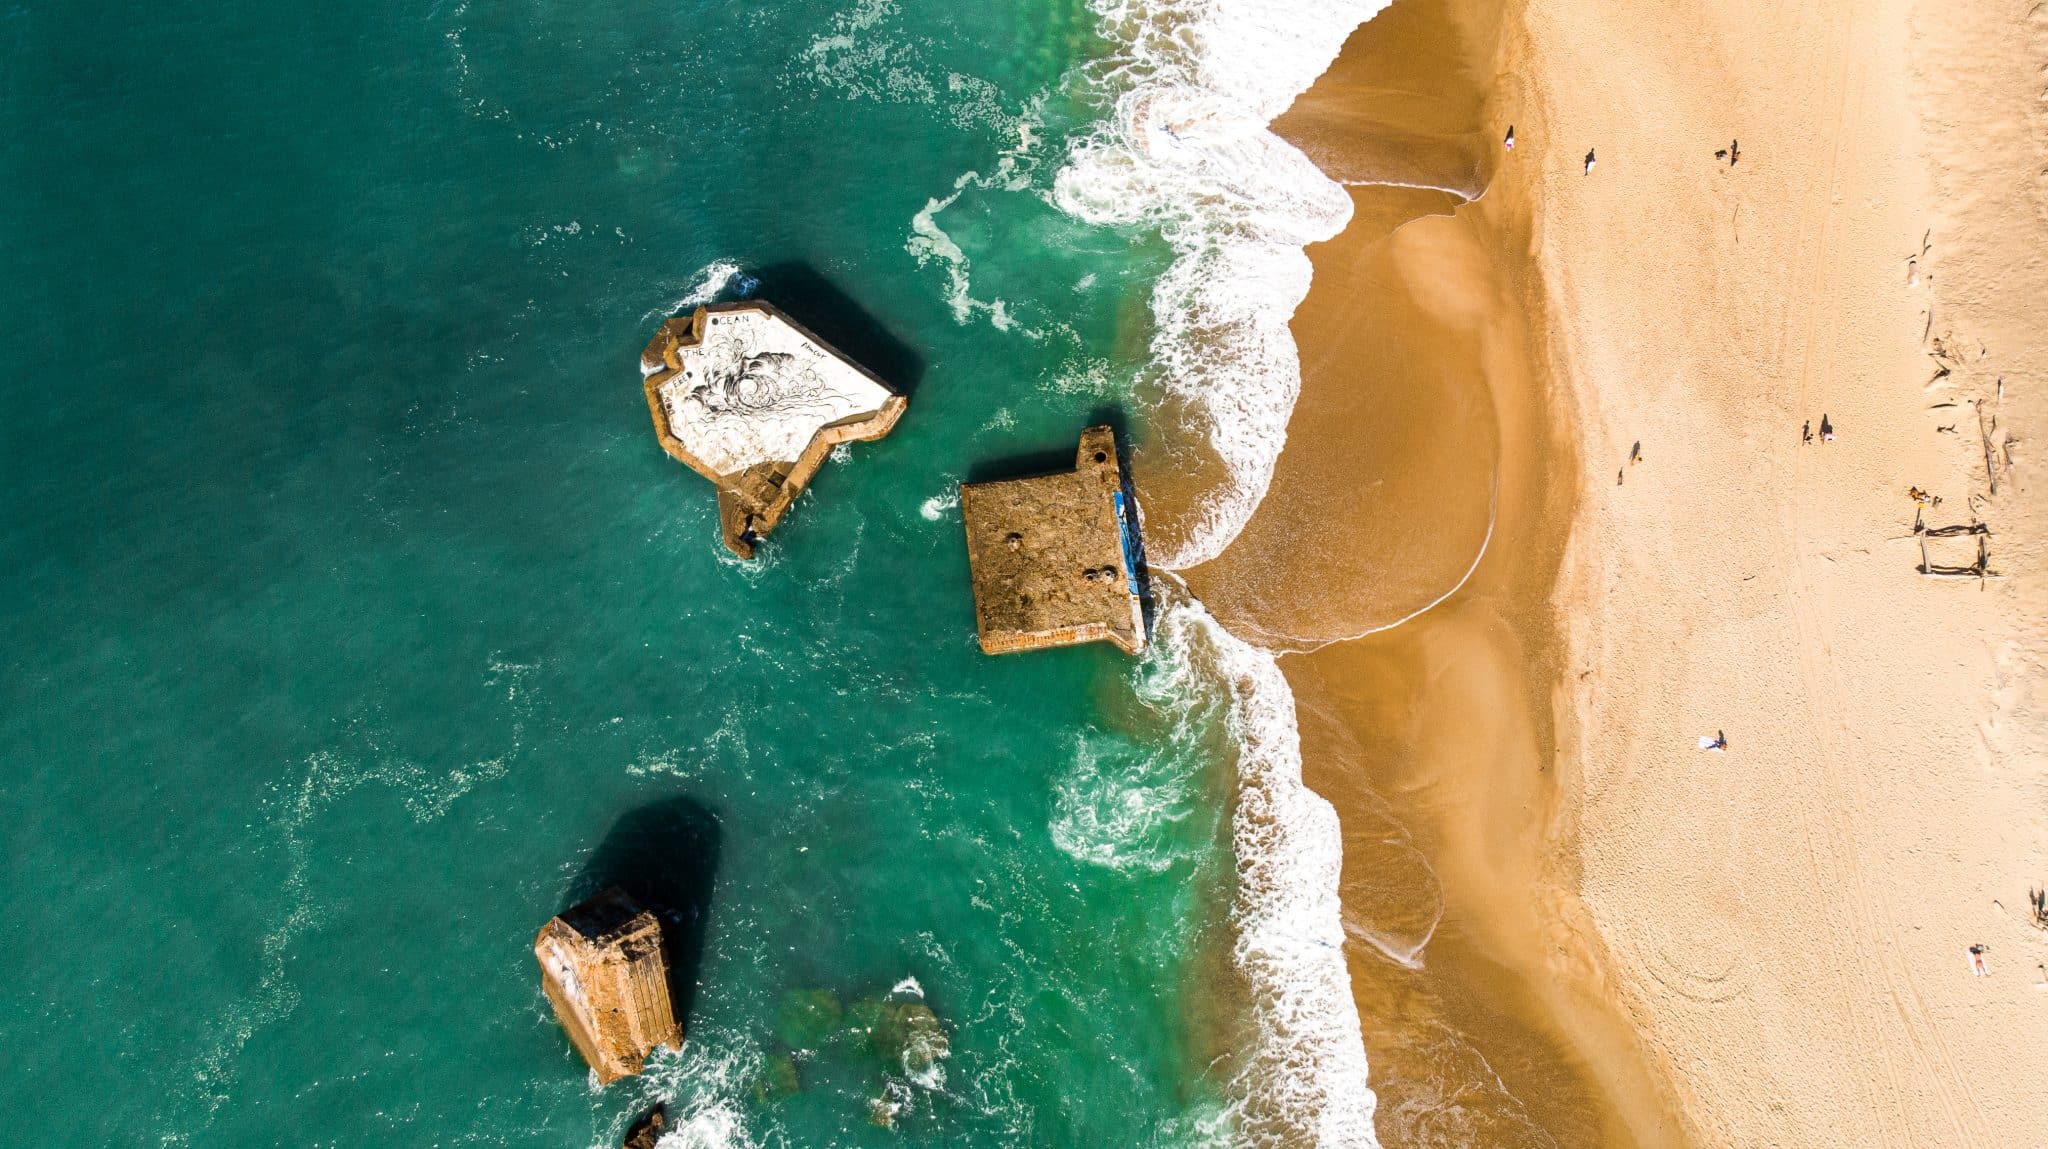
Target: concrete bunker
point(604, 967)
point(747, 397)
point(1055, 557)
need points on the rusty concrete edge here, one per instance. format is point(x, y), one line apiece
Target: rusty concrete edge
point(1064, 636)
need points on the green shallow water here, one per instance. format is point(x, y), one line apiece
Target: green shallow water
point(349, 605)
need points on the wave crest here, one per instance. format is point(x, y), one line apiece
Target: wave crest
point(1305, 1078)
point(1185, 148)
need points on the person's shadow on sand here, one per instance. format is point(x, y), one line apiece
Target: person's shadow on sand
point(664, 854)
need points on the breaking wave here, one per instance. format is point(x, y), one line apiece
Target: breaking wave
point(703, 1086)
point(1185, 148)
point(717, 278)
point(940, 505)
point(1304, 1081)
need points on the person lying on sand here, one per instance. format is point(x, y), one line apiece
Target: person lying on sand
point(1977, 965)
point(1717, 743)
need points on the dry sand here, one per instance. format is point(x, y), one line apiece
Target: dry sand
point(1787, 922)
point(1611, 936)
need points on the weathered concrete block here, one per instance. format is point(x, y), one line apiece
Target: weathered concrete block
point(604, 967)
point(745, 396)
point(1053, 557)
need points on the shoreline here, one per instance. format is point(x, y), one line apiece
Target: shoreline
point(1566, 923)
point(1416, 605)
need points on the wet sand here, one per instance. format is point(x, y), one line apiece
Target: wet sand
point(1568, 924)
point(1421, 507)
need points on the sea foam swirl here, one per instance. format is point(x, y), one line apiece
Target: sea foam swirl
point(1186, 148)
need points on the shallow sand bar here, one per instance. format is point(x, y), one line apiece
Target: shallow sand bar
point(745, 396)
point(1052, 556)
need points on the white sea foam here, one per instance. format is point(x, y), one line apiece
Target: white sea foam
point(719, 279)
point(1459, 1099)
point(868, 55)
point(1186, 148)
point(1305, 1081)
point(714, 279)
point(1117, 806)
point(1083, 375)
point(704, 1088)
point(928, 241)
point(1125, 801)
point(292, 811)
point(938, 506)
point(857, 59)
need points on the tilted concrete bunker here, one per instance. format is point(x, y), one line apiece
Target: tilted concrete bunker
point(745, 396)
point(1055, 557)
point(604, 968)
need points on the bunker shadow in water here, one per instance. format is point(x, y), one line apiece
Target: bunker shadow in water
point(664, 854)
point(832, 315)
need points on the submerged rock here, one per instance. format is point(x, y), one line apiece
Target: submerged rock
point(906, 1035)
point(913, 1039)
point(646, 1132)
point(778, 1079)
point(895, 1033)
point(883, 1110)
point(806, 1018)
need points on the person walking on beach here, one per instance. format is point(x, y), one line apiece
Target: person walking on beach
point(1589, 161)
point(1509, 142)
point(1827, 429)
point(1806, 431)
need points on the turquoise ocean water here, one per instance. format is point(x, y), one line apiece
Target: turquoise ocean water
point(349, 605)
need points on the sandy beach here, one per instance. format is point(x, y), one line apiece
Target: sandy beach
point(1569, 923)
point(1789, 921)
